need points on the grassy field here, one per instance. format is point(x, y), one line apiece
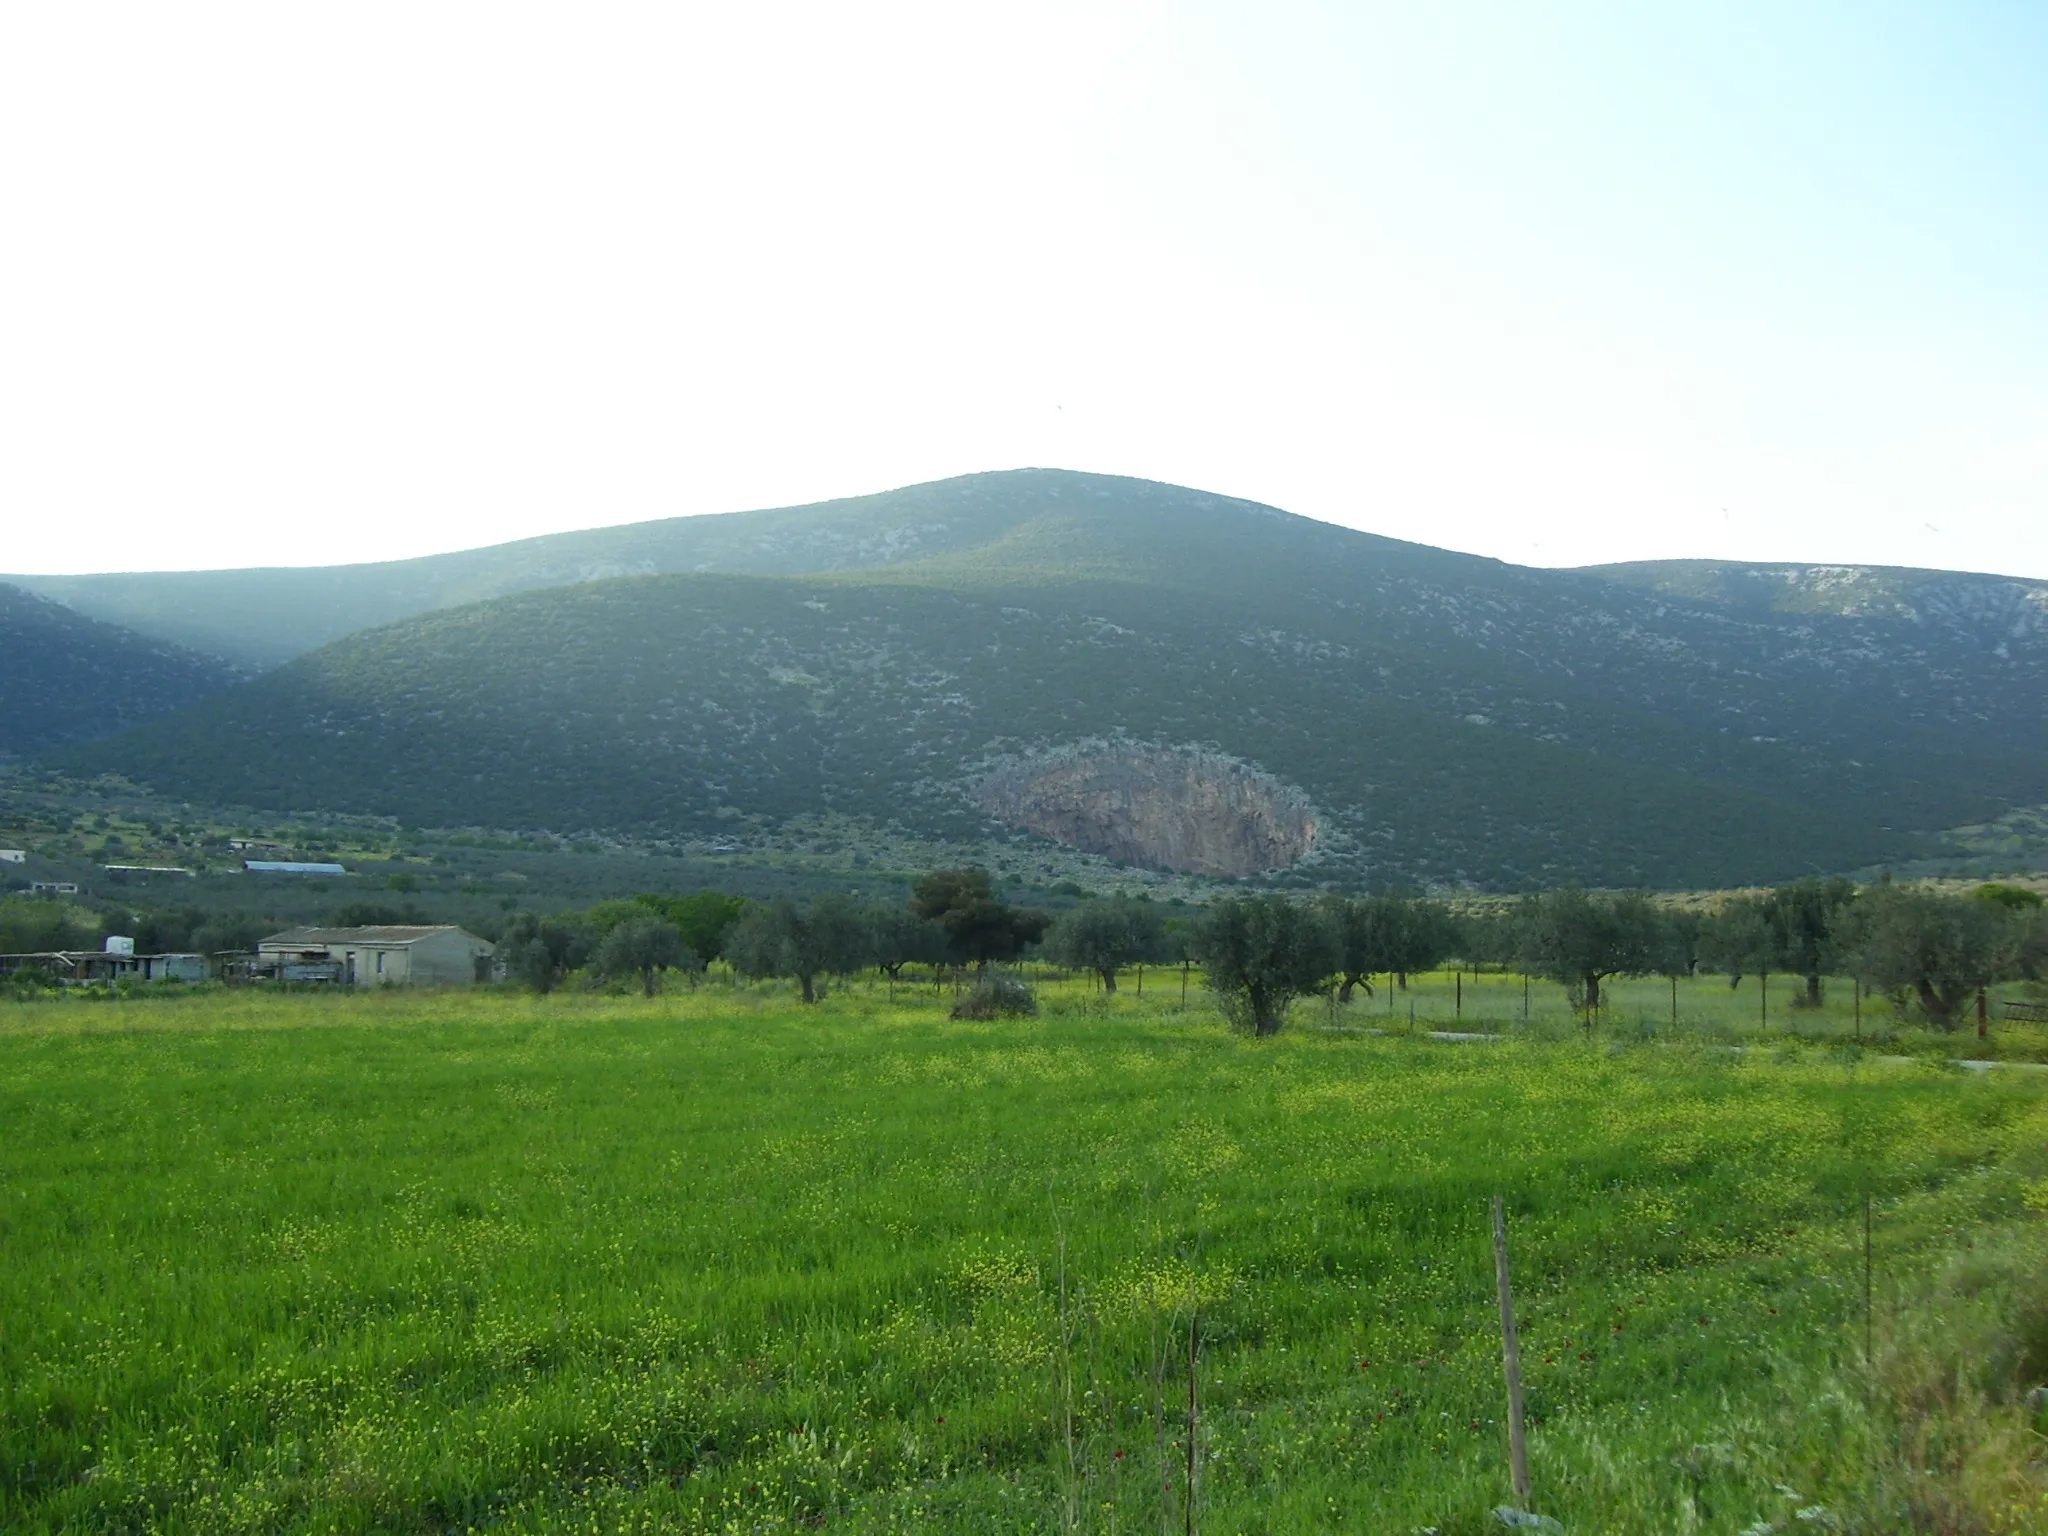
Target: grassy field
point(413, 1262)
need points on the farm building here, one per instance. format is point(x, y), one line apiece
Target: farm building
point(117, 962)
point(290, 867)
point(13, 855)
point(439, 955)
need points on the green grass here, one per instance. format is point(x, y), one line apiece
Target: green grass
point(421, 1263)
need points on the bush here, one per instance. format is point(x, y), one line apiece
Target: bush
point(997, 995)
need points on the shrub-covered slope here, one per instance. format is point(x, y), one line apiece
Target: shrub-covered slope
point(1451, 718)
point(687, 705)
point(67, 678)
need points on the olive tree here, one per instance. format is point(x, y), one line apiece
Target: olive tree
point(1104, 936)
point(897, 936)
point(801, 942)
point(1260, 953)
point(1803, 916)
point(643, 946)
point(1940, 948)
point(1737, 938)
point(1386, 933)
point(1581, 940)
point(539, 951)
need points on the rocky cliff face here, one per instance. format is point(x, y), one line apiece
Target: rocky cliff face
point(1176, 808)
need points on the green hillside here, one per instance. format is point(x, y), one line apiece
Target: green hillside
point(67, 678)
point(1447, 719)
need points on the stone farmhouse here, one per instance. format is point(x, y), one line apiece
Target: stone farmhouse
point(439, 955)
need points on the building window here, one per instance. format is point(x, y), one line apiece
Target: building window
point(380, 962)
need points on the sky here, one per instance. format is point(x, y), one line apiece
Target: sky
point(1558, 283)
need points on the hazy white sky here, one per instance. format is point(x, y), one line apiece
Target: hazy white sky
point(1559, 283)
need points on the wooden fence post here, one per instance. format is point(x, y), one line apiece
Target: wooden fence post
point(1194, 1416)
point(1983, 1016)
point(1511, 1358)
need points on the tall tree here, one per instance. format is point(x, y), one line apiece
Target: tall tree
point(1941, 948)
point(1105, 936)
point(979, 928)
point(1581, 940)
point(1260, 953)
point(703, 918)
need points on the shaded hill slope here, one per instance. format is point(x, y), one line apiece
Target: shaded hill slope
point(67, 678)
point(678, 706)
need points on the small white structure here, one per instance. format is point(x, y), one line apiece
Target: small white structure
point(290, 867)
point(53, 887)
point(13, 855)
point(440, 955)
point(118, 945)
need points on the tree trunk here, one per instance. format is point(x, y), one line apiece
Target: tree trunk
point(647, 981)
point(1592, 992)
point(1265, 1015)
point(1940, 1006)
point(1108, 978)
point(1813, 989)
point(810, 992)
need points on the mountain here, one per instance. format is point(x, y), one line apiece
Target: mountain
point(1155, 674)
point(261, 617)
point(66, 678)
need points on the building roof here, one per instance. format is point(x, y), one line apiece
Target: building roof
point(391, 933)
point(290, 867)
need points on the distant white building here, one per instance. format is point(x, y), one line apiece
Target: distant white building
point(13, 855)
point(291, 867)
point(440, 955)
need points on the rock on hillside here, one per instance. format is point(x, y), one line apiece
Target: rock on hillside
point(1997, 614)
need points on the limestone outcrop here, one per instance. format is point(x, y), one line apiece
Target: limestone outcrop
point(1177, 808)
